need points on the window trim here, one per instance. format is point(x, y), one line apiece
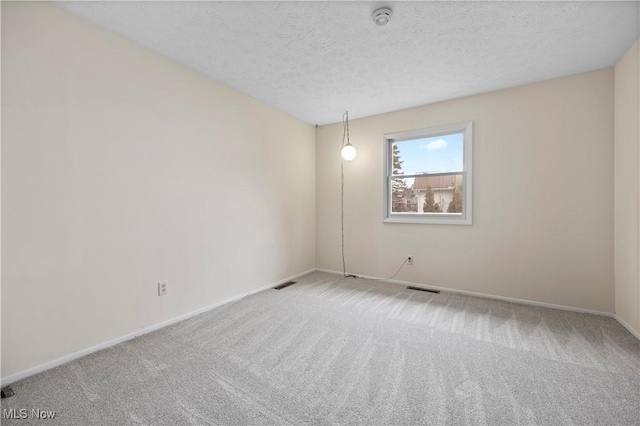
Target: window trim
point(430, 218)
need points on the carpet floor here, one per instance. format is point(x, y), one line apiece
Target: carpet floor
point(335, 351)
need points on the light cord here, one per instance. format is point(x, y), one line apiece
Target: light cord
point(345, 133)
point(345, 137)
point(346, 125)
point(392, 276)
point(344, 265)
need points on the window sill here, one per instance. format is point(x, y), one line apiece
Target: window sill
point(425, 220)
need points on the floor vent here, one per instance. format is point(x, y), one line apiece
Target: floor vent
point(424, 289)
point(7, 392)
point(281, 286)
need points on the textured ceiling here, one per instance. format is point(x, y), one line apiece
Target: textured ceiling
point(314, 60)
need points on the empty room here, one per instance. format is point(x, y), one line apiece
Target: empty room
point(320, 213)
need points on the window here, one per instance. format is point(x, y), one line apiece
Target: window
point(428, 175)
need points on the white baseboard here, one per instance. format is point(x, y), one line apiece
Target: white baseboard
point(627, 326)
point(482, 295)
point(68, 358)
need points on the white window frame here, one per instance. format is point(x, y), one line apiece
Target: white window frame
point(466, 128)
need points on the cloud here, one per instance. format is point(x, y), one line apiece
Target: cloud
point(437, 144)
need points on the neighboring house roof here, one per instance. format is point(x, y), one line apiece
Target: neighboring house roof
point(437, 182)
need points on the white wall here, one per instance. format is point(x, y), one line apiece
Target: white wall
point(543, 196)
point(627, 189)
point(121, 168)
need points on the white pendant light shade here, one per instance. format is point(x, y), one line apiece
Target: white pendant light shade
point(348, 152)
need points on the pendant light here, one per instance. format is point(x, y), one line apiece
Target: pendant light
point(348, 151)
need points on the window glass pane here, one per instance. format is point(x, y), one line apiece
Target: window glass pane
point(403, 198)
point(428, 155)
point(428, 194)
point(439, 193)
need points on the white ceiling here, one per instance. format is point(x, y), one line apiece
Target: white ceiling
point(314, 60)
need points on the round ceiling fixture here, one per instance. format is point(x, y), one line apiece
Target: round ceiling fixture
point(381, 16)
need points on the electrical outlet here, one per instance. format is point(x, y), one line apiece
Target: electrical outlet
point(163, 288)
point(409, 260)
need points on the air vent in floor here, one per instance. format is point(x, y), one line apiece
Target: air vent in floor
point(423, 289)
point(281, 286)
point(7, 392)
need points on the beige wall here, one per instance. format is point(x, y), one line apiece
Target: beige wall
point(627, 188)
point(121, 168)
point(543, 201)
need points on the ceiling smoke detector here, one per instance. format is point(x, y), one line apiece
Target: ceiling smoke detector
point(381, 16)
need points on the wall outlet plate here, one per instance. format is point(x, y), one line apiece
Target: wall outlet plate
point(163, 288)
